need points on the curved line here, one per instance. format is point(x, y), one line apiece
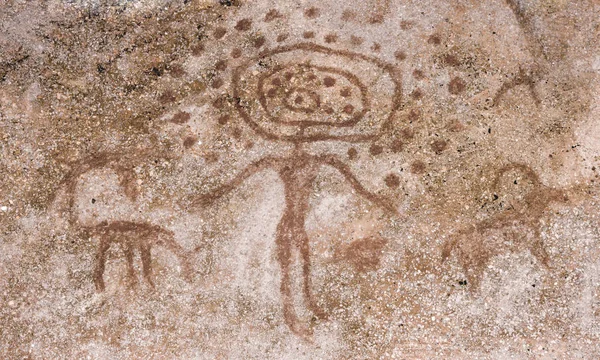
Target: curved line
point(386, 125)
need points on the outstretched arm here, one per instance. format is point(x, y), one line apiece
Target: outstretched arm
point(356, 185)
point(210, 197)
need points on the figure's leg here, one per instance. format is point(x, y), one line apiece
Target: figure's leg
point(309, 299)
point(128, 249)
point(147, 262)
point(100, 263)
point(284, 238)
point(538, 250)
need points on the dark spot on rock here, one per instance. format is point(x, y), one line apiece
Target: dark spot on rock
point(462, 282)
point(416, 94)
point(352, 153)
point(272, 93)
point(181, 117)
point(299, 99)
point(417, 167)
point(434, 39)
point(330, 38)
point(223, 119)
point(308, 34)
point(328, 81)
point(406, 25)
point(198, 50)
point(211, 157)
point(101, 69)
point(236, 53)
point(272, 15)
point(276, 81)
point(221, 65)
point(375, 149)
point(456, 126)
point(397, 146)
point(237, 133)
point(456, 86)
point(345, 92)
point(281, 37)
point(407, 133)
point(348, 109)
point(348, 15)
point(166, 97)
point(156, 71)
point(259, 41)
point(312, 12)
point(414, 115)
point(329, 110)
point(216, 83)
point(189, 142)
point(450, 60)
point(243, 25)
point(392, 181)
point(376, 47)
point(93, 201)
point(400, 55)
point(219, 32)
point(356, 40)
point(229, 2)
point(418, 74)
point(220, 102)
point(177, 71)
point(438, 146)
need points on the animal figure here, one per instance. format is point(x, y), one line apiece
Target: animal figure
point(131, 236)
point(515, 228)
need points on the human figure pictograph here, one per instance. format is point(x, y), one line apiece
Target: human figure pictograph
point(314, 94)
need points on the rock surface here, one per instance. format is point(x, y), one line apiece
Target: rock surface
point(376, 179)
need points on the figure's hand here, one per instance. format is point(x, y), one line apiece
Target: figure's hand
point(192, 202)
point(202, 200)
point(389, 206)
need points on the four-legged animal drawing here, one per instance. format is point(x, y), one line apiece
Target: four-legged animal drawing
point(134, 236)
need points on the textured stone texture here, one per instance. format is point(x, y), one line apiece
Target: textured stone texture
point(371, 179)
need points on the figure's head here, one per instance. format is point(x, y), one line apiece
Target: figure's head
point(306, 92)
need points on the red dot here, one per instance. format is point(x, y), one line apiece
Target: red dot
point(272, 93)
point(243, 25)
point(329, 81)
point(236, 53)
point(219, 33)
point(223, 119)
point(348, 109)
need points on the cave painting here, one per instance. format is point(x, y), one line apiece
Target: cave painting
point(313, 94)
point(516, 226)
point(131, 236)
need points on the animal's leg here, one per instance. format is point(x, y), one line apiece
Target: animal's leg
point(128, 249)
point(538, 249)
point(100, 263)
point(147, 262)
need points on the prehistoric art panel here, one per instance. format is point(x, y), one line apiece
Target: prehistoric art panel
point(303, 179)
